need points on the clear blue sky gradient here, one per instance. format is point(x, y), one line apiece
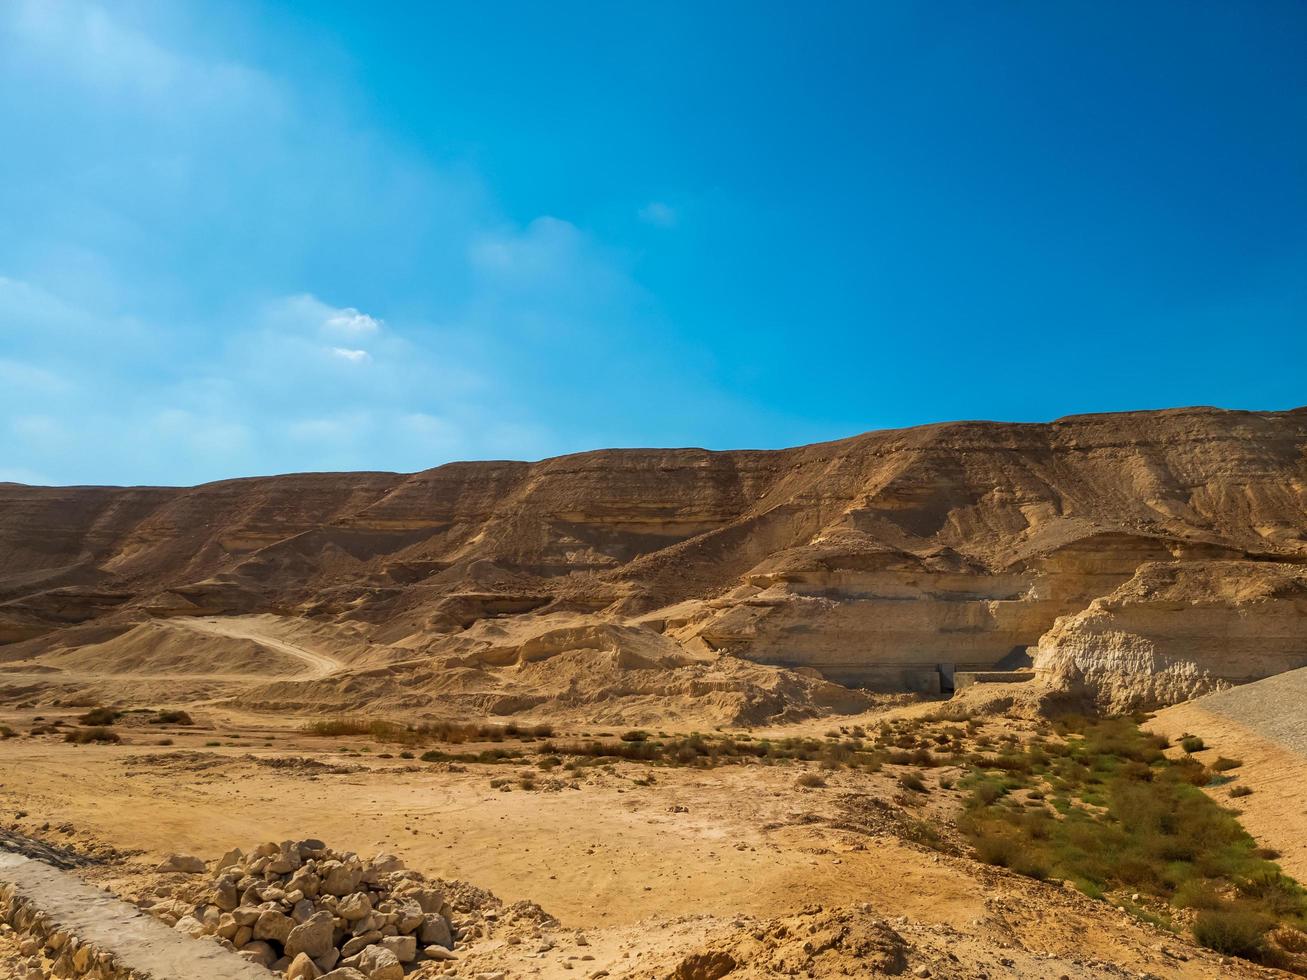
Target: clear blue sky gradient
point(246, 238)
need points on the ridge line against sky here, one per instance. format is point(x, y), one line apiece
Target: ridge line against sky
point(654, 449)
point(258, 238)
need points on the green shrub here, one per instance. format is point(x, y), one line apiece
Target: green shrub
point(1222, 764)
point(1233, 932)
point(1128, 819)
point(1195, 894)
point(635, 735)
point(1239, 791)
point(1192, 744)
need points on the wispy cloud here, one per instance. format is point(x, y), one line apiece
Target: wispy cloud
point(353, 356)
point(209, 271)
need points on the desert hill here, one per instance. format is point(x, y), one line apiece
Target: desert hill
point(894, 559)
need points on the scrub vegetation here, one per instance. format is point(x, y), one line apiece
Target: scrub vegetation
point(1099, 803)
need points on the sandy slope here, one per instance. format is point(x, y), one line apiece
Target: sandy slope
point(260, 630)
point(1263, 725)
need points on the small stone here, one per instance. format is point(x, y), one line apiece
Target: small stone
point(439, 953)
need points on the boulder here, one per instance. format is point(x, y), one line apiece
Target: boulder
point(354, 906)
point(408, 914)
point(302, 967)
point(344, 973)
point(304, 881)
point(382, 864)
point(225, 895)
point(246, 915)
point(327, 962)
point(379, 963)
point(274, 925)
point(405, 948)
point(181, 863)
point(190, 926)
point(360, 943)
point(312, 936)
point(258, 952)
point(232, 857)
point(435, 931)
point(342, 879)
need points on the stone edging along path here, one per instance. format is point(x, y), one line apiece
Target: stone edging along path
point(88, 933)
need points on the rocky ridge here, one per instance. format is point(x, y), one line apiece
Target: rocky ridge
point(892, 559)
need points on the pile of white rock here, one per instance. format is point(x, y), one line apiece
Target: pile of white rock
point(300, 908)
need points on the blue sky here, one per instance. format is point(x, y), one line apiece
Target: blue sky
point(243, 238)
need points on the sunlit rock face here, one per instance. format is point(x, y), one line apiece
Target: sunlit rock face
point(889, 559)
point(1176, 630)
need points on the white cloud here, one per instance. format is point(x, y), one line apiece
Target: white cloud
point(353, 356)
point(350, 321)
point(659, 214)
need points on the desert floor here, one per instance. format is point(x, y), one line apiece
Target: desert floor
point(644, 870)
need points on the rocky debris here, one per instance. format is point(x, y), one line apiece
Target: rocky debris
point(305, 910)
point(814, 943)
point(53, 854)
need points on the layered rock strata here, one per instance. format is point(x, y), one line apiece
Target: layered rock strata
point(892, 559)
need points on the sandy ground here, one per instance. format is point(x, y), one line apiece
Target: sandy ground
point(641, 864)
point(640, 870)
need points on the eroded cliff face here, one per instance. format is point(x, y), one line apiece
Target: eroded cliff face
point(1177, 630)
point(889, 559)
